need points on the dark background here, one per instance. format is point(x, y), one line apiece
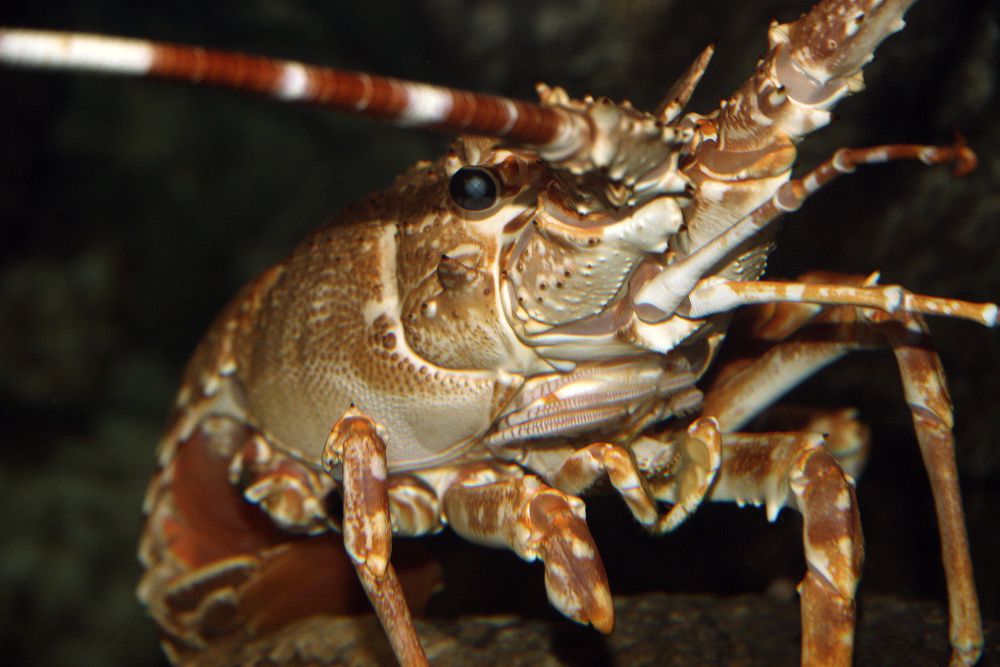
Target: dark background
point(131, 211)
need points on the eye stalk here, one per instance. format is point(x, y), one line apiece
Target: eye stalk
point(474, 188)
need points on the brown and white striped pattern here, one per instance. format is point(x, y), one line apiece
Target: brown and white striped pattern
point(661, 296)
point(395, 100)
point(716, 296)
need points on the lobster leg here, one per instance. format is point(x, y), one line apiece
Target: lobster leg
point(224, 578)
point(743, 394)
point(927, 395)
point(690, 461)
point(414, 508)
point(288, 491)
point(354, 443)
point(775, 468)
point(576, 470)
point(845, 436)
point(537, 521)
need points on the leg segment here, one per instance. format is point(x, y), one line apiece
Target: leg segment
point(533, 520)
point(745, 392)
point(678, 471)
point(780, 468)
point(682, 469)
point(576, 470)
point(414, 508)
point(845, 436)
point(288, 491)
point(926, 393)
point(355, 444)
point(223, 580)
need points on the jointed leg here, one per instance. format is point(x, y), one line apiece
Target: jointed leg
point(743, 391)
point(742, 394)
point(574, 471)
point(779, 468)
point(927, 395)
point(679, 471)
point(356, 444)
point(845, 436)
point(536, 521)
point(414, 507)
point(290, 492)
point(223, 579)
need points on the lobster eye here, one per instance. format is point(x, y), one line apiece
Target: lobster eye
point(473, 188)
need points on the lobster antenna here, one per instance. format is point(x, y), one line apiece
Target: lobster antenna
point(395, 100)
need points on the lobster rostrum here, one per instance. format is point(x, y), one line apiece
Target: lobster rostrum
point(513, 324)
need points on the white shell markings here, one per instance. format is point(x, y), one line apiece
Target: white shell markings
point(294, 83)
point(31, 48)
point(377, 468)
point(425, 104)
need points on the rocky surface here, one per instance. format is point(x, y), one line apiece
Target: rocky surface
point(654, 630)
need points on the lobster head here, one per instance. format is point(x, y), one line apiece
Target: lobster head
point(529, 245)
point(591, 241)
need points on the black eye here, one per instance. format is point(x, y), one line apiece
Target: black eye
point(473, 188)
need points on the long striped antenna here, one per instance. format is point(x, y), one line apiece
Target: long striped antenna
point(557, 131)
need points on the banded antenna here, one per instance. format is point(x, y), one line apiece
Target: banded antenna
point(555, 130)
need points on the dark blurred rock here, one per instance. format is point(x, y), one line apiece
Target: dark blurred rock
point(655, 629)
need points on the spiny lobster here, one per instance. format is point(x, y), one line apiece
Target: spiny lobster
point(562, 291)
